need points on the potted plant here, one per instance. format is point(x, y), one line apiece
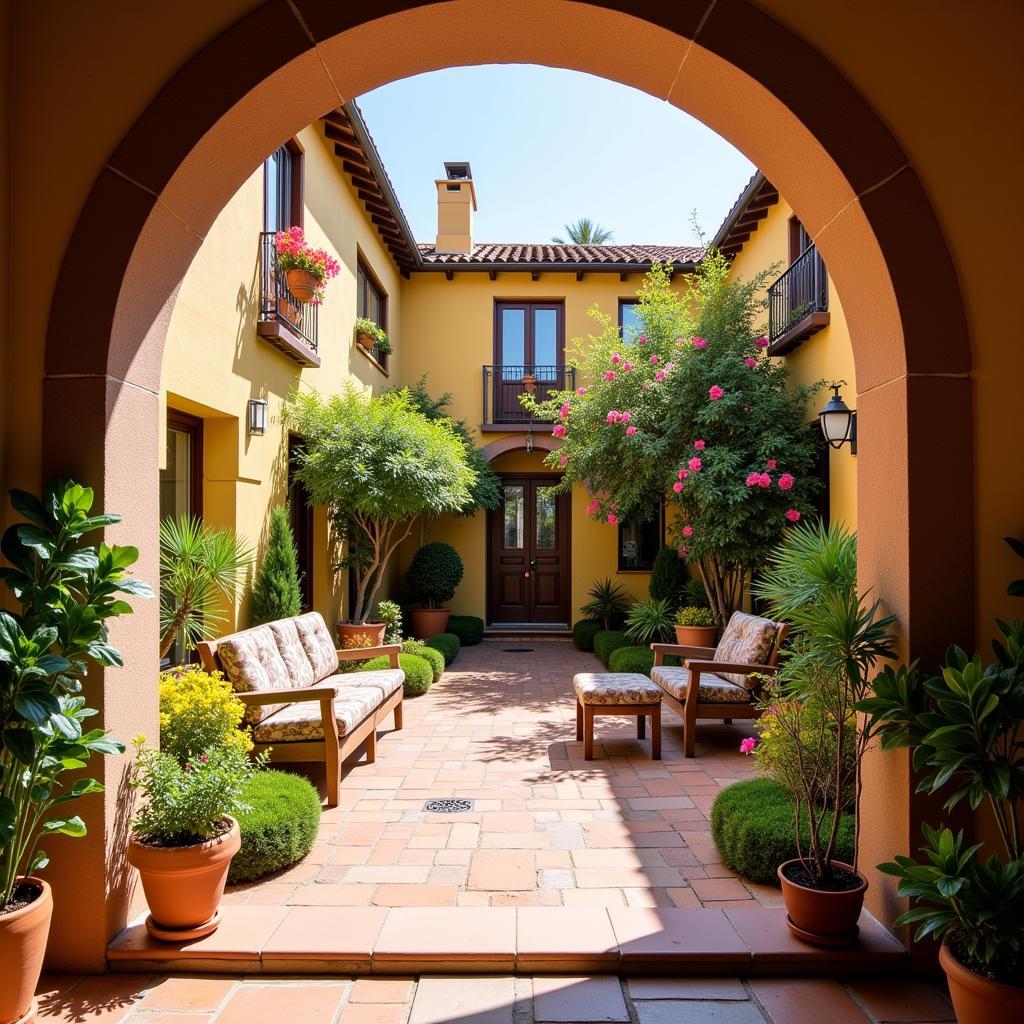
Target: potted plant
point(963, 727)
point(370, 336)
point(529, 382)
point(434, 573)
point(695, 626)
point(836, 640)
point(649, 621)
point(184, 835)
point(306, 270)
point(65, 590)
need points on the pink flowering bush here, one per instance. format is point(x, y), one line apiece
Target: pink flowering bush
point(294, 253)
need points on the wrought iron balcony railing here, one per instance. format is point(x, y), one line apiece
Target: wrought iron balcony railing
point(278, 306)
point(503, 383)
point(796, 300)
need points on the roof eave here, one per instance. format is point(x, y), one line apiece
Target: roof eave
point(565, 268)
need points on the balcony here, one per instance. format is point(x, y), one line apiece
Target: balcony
point(287, 324)
point(504, 383)
point(798, 303)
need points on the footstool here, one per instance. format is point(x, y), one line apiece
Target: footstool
point(616, 693)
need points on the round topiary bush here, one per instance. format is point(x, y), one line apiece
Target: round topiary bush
point(631, 659)
point(447, 643)
point(583, 633)
point(280, 826)
point(418, 673)
point(434, 573)
point(431, 655)
point(752, 825)
point(468, 628)
point(607, 641)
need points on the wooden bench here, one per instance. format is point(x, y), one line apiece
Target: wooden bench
point(616, 693)
point(298, 706)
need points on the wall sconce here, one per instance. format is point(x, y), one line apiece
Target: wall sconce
point(257, 416)
point(838, 421)
point(529, 442)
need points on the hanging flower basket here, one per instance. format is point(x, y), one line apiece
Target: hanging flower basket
point(302, 284)
point(306, 270)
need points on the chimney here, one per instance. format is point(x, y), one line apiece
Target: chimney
point(456, 201)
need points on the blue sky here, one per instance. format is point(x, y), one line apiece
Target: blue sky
point(548, 146)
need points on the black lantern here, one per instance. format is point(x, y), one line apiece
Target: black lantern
point(838, 421)
point(257, 416)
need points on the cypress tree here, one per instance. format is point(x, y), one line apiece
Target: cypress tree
point(276, 593)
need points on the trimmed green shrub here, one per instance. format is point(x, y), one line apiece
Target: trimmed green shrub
point(280, 826)
point(276, 593)
point(631, 659)
point(607, 641)
point(431, 655)
point(434, 573)
point(447, 643)
point(418, 673)
point(668, 578)
point(583, 633)
point(468, 628)
point(752, 826)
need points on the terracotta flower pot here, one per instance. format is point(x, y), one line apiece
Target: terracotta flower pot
point(820, 916)
point(978, 1000)
point(427, 622)
point(184, 884)
point(23, 935)
point(366, 341)
point(302, 284)
point(290, 312)
point(697, 636)
point(374, 630)
point(529, 383)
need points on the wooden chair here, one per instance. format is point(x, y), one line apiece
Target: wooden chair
point(682, 686)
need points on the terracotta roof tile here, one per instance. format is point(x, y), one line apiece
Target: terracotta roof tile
point(564, 255)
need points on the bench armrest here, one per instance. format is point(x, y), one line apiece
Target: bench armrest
point(365, 653)
point(680, 650)
point(696, 665)
point(291, 695)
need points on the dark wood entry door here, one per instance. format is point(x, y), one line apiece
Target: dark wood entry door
point(528, 578)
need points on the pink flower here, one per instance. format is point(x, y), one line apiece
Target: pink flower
point(695, 465)
point(683, 474)
point(700, 342)
point(627, 366)
point(563, 459)
point(786, 481)
point(564, 411)
point(698, 445)
point(677, 486)
point(687, 530)
point(761, 343)
point(624, 417)
point(613, 519)
point(753, 479)
point(559, 430)
point(659, 376)
point(616, 358)
point(682, 551)
point(715, 392)
point(203, 758)
point(646, 385)
point(630, 431)
point(751, 363)
point(792, 515)
point(770, 463)
point(747, 745)
point(654, 360)
point(643, 340)
point(581, 392)
point(764, 480)
point(670, 366)
point(609, 375)
point(593, 507)
point(612, 417)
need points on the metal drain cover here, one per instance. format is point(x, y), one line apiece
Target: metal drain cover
point(449, 805)
point(517, 650)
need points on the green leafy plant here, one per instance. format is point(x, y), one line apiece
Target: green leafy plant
point(65, 591)
point(583, 633)
point(692, 615)
point(668, 577)
point(381, 341)
point(631, 659)
point(378, 465)
point(468, 628)
point(434, 573)
point(431, 655)
point(607, 605)
point(198, 710)
point(200, 567)
point(418, 673)
point(390, 613)
point(650, 621)
point(447, 643)
point(276, 593)
point(585, 232)
point(609, 640)
point(1015, 587)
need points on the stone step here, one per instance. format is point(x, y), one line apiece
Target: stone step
point(524, 940)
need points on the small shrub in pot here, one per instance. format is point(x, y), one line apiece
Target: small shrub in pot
point(695, 627)
point(434, 573)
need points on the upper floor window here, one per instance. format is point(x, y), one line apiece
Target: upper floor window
point(372, 303)
point(629, 322)
point(282, 188)
point(799, 240)
point(640, 541)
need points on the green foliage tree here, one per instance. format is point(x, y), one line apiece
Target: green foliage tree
point(691, 410)
point(378, 464)
point(669, 578)
point(584, 232)
point(276, 593)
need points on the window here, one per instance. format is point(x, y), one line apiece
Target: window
point(629, 323)
point(798, 239)
point(372, 303)
point(640, 541)
point(282, 188)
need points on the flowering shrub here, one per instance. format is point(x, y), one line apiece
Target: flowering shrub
point(354, 642)
point(294, 253)
point(691, 410)
point(693, 615)
point(198, 711)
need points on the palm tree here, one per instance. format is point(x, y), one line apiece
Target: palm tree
point(585, 232)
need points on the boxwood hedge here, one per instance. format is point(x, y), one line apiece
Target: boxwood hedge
point(607, 641)
point(583, 633)
point(468, 628)
point(447, 643)
point(418, 673)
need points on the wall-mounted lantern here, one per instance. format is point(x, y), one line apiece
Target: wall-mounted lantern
point(838, 421)
point(257, 416)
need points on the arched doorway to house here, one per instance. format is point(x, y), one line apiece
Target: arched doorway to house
point(733, 68)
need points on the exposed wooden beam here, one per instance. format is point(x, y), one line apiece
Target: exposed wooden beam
point(492, 274)
point(356, 167)
point(579, 275)
point(534, 275)
point(623, 275)
point(449, 275)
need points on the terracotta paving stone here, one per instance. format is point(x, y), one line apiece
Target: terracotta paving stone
point(270, 1004)
point(703, 936)
point(686, 988)
point(382, 990)
point(329, 895)
point(476, 1000)
point(697, 1012)
point(195, 993)
point(502, 870)
point(374, 1013)
point(416, 896)
point(578, 999)
point(581, 938)
point(317, 934)
point(902, 1000)
point(813, 1001)
point(142, 1017)
point(428, 936)
point(101, 999)
point(719, 889)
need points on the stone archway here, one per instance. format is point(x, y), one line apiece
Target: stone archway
point(517, 443)
point(731, 66)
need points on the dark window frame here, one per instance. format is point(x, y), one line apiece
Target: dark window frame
point(186, 423)
point(633, 301)
point(367, 279)
point(660, 519)
point(799, 239)
point(302, 521)
point(296, 185)
point(529, 340)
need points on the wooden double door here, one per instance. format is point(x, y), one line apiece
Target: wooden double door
point(528, 553)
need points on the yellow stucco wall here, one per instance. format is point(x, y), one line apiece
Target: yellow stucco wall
point(214, 361)
point(827, 355)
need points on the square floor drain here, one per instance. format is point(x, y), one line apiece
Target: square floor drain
point(449, 805)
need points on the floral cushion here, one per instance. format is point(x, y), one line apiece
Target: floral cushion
point(747, 640)
point(386, 680)
point(318, 644)
point(713, 689)
point(294, 723)
point(293, 654)
point(252, 662)
point(615, 688)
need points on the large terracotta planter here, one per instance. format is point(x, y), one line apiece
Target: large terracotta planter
point(302, 284)
point(978, 1000)
point(428, 622)
point(23, 935)
point(184, 884)
point(821, 917)
point(697, 636)
point(374, 630)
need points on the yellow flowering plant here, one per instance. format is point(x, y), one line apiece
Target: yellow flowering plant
point(355, 642)
point(199, 712)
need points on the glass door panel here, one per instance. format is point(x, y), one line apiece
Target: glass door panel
point(515, 514)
